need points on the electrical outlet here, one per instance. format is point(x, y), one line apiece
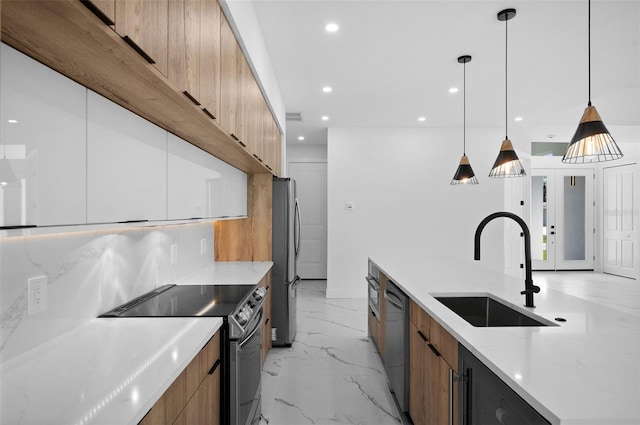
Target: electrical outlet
point(37, 294)
point(174, 254)
point(203, 246)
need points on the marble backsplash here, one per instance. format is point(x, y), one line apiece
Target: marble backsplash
point(89, 270)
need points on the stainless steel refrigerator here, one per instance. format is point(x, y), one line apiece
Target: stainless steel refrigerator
point(286, 248)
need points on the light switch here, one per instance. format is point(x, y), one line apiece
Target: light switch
point(350, 205)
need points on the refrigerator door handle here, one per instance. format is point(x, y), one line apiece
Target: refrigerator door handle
point(297, 229)
point(294, 282)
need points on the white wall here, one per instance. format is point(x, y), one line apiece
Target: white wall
point(399, 180)
point(305, 153)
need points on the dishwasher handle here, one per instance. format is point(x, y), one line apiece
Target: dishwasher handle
point(394, 300)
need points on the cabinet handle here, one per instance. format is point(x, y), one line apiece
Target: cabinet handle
point(138, 49)
point(206, 111)
point(28, 226)
point(96, 11)
point(266, 321)
point(133, 221)
point(453, 377)
point(214, 367)
point(424, 338)
point(238, 140)
point(435, 350)
point(191, 98)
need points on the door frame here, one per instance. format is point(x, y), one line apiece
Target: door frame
point(326, 239)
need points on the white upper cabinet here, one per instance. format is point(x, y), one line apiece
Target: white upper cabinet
point(127, 164)
point(234, 197)
point(201, 185)
point(43, 148)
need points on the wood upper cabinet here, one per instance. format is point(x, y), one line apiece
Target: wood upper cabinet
point(210, 57)
point(104, 9)
point(228, 78)
point(194, 397)
point(144, 24)
point(184, 47)
point(243, 108)
point(433, 365)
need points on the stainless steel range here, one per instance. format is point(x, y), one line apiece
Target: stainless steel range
point(240, 307)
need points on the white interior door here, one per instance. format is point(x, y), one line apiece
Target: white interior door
point(620, 221)
point(311, 185)
point(562, 219)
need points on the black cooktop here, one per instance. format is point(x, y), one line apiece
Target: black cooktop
point(185, 301)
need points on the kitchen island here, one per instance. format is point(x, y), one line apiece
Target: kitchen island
point(112, 370)
point(583, 371)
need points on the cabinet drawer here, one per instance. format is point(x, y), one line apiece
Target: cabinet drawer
point(445, 343)
point(420, 319)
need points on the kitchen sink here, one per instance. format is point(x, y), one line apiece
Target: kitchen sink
point(488, 311)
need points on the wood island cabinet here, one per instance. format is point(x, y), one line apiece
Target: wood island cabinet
point(194, 397)
point(433, 371)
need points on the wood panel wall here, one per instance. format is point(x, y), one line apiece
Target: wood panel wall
point(248, 239)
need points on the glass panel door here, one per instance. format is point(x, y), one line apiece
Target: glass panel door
point(562, 219)
point(542, 238)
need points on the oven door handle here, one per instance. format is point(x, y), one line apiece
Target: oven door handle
point(374, 285)
point(255, 329)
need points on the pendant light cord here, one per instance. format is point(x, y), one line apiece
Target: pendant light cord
point(589, 51)
point(506, 74)
point(464, 108)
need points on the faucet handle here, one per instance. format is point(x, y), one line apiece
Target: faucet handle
point(533, 289)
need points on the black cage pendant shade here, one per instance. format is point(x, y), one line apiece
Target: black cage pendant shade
point(591, 141)
point(464, 174)
point(507, 163)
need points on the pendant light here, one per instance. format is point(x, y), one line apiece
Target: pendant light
point(507, 163)
point(591, 141)
point(464, 174)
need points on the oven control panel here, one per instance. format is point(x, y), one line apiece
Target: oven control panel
point(246, 312)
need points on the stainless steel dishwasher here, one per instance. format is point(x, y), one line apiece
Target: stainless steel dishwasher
point(397, 343)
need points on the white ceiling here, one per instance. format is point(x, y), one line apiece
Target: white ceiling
point(393, 61)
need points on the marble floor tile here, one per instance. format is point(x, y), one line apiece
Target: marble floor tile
point(343, 399)
point(331, 374)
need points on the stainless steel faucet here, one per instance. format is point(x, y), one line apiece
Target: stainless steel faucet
point(529, 287)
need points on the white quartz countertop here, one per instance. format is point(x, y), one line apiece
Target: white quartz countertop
point(228, 273)
point(111, 370)
point(584, 371)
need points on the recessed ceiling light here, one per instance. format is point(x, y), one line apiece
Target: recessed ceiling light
point(12, 121)
point(331, 27)
point(327, 89)
point(300, 137)
point(422, 119)
point(325, 118)
point(517, 119)
point(453, 90)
